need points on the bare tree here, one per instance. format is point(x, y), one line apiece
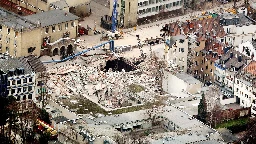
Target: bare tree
point(44, 96)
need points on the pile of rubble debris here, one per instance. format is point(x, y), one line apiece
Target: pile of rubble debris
point(112, 88)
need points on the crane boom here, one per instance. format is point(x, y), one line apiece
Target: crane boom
point(114, 17)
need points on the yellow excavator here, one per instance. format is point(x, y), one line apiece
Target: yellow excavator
point(231, 10)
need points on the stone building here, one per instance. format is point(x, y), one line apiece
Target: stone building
point(38, 34)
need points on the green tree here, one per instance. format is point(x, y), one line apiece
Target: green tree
point(44, 116)
point(202, 109)
point(44, 138)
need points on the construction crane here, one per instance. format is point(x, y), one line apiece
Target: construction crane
point(114, 17)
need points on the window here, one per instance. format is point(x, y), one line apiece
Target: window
point(129, 7)
point(73, 24)
point(53, 28)
point(30, 96)
point(30, 79)
point(0, 37)
point(237, 81)
point(66, 25)
point(31, 49)
point(24, 97)
point(30, 88)
point(46, 30)
point(7, 40)
point(8, 31)
point(25, 80)
point(0, 47)
point(19, 90)
point(60, 27)
point(19, 82)
point(15, 43)
point(24, 89)
point(1, 27)
point(7, 49)
point(181, 49)
point(13, 91)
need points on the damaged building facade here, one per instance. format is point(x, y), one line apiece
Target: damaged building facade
point(176, 52)
point(20, 79)
point(38, 34)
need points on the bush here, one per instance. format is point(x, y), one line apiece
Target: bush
point(236, 125)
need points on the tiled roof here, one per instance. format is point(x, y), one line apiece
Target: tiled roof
point(230, 59)
point(33, 62)
point(52, 17)
point(15, 21)
point(204, 28)
point(251, 68)
point(9, 63)
point(59, 4)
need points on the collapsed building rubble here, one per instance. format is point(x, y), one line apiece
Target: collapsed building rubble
point(113, 87)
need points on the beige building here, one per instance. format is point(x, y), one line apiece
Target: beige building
point(78, 7)
point(180, 82)
point(130, 11)
point(176, 52)
point(38, 34)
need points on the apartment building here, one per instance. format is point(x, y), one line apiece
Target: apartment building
point(77, 7)
point(37, 34)
point(130, 11)
point(40, 70)
point(176, 52)
point(20, 79)
point(226, 69)
point(238, 28)
point(251, 69)
point(244, 89)
point(248, 49)
point(204, 47)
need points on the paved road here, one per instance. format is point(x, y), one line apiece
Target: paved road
point(65, 112)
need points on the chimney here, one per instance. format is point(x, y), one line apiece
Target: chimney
point(231, 55)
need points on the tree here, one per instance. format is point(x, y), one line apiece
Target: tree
point(202, 109)
point(44, 138)
point(44, 116)
point(250, 135)
point(43, 77)
point(216, 115)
